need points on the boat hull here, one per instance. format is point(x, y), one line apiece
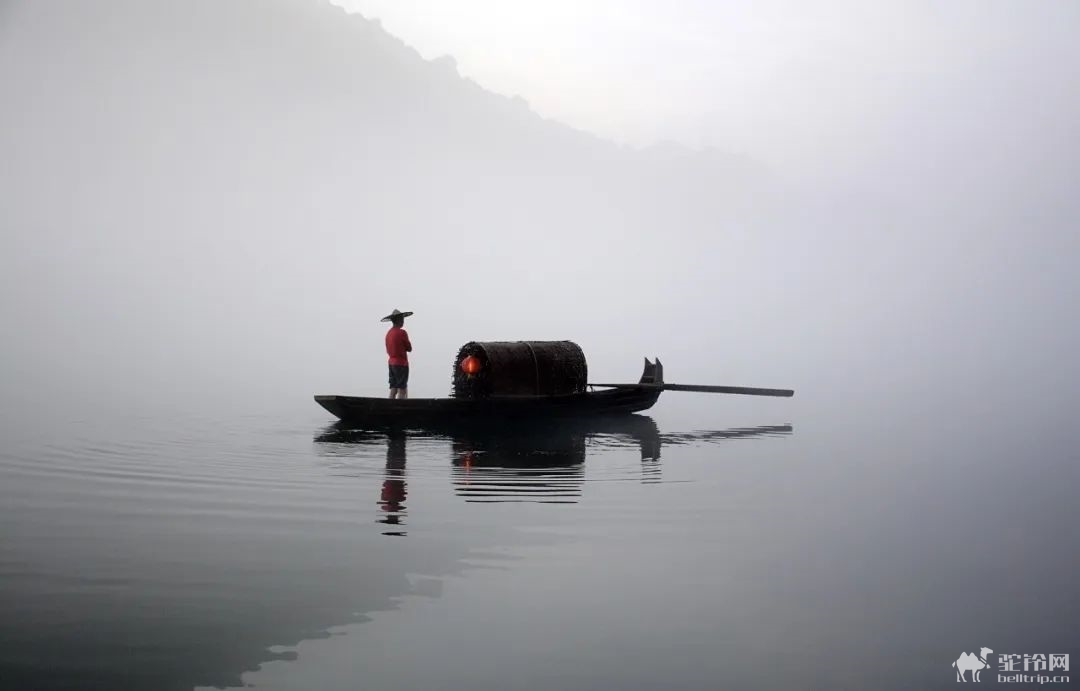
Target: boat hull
point(427, 412)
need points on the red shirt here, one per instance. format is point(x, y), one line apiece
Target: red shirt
point(397, 346)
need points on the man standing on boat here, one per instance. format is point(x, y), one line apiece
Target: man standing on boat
point(398, 348)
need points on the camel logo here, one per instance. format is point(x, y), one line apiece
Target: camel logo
point(970, 661)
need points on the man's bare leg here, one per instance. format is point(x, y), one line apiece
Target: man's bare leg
point(393, 393)
point(402, 393)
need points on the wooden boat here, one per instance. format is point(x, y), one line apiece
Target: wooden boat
point(499, 407)
point(381, 412)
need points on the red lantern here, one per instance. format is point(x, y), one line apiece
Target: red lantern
point(470, 365)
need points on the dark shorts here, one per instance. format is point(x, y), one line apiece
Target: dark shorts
point(399, 376)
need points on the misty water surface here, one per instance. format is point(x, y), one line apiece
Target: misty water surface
point(680, 551)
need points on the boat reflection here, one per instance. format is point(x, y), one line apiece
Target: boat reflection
point(543, 463)
point(537, 462)
point(545, 466)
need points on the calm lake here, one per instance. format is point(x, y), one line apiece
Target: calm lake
point(715, 543)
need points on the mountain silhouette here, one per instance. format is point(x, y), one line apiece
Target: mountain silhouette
point(189, 179)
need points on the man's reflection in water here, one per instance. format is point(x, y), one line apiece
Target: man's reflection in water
point(392, 499)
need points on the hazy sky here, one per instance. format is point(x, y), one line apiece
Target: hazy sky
point(778, 79)
point(203, 191)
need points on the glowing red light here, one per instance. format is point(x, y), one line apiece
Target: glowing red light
point(470, 365)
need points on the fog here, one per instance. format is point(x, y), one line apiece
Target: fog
point(219, 200)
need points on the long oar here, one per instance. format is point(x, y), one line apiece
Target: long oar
point(745, 390)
